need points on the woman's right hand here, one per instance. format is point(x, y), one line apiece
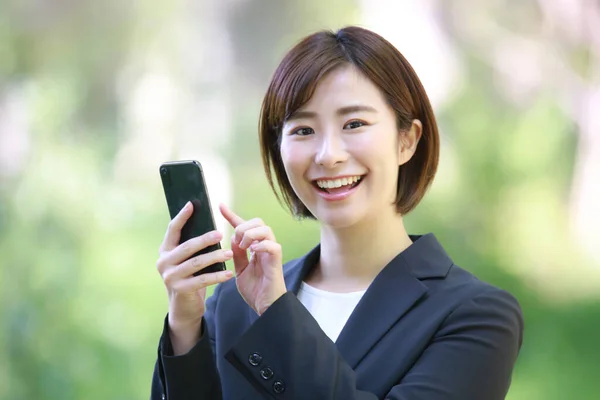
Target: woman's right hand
point(187, 292)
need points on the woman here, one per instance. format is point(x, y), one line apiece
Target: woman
point(369, 313)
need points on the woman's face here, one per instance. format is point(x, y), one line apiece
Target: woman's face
point(341, 151)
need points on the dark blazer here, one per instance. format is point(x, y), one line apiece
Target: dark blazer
point(424, 330)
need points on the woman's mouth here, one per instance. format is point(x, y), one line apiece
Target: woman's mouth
point(339, 185)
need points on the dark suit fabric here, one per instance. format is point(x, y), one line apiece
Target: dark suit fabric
point(424, 330)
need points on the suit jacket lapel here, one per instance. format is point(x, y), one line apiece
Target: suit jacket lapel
point(393, 292)
point(396, 289)
point(295, 273)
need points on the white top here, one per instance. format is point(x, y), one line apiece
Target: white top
point(331, 310)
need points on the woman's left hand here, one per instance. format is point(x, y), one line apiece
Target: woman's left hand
point(259, 278)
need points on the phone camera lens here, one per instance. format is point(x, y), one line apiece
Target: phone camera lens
point(163, 171)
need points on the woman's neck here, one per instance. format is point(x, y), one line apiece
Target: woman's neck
point(352, 257)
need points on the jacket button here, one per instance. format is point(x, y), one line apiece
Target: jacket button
point(266, 373)
point(254, 359)
point(278, 387)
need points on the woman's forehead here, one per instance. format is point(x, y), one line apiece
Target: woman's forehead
point(343, 91)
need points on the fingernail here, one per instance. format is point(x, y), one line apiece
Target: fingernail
point(228, 273)
point(228, 253)
point(187, 205)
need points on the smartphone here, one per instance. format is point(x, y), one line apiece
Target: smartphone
point(183, 181)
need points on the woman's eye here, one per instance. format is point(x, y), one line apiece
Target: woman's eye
point(303, 131)
point(354, 125)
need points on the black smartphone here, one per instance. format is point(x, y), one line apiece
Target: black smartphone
point(183, 181)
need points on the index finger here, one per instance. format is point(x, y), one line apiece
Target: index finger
point(230, 216)
point(173, 234)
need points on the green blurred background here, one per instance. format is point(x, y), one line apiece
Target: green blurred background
point(95, 95)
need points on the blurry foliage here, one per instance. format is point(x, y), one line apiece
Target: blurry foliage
point(80, 301)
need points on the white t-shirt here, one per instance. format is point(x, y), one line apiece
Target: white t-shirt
point(331, 310)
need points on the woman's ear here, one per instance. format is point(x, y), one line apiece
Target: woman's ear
point(408, 140)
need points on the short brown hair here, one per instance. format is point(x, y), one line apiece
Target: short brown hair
point(296, 78)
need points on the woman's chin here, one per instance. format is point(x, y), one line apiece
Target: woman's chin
point(338, 219)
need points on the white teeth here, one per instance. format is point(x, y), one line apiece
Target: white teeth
point(336, 183)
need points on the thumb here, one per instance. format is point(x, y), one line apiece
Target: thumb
point(240, 257)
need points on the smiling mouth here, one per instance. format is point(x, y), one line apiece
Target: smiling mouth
point(338, 185)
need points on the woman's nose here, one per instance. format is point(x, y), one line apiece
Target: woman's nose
point(331, 151)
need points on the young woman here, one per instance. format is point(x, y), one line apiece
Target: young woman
point(371, 312)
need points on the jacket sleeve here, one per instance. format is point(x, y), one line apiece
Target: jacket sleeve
point(470, 358)
point(192, 375)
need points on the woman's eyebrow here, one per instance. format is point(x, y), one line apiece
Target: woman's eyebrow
point(340, 112)
point(355, 108)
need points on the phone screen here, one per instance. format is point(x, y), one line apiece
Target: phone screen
point(183, 181)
